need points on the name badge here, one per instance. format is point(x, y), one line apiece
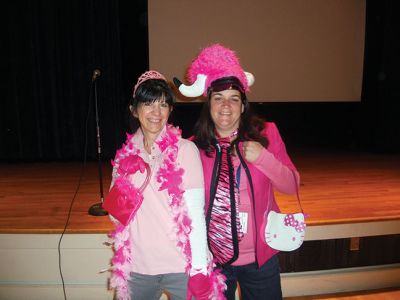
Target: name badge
point(243, 216)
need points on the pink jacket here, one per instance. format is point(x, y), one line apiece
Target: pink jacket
point(273, 169)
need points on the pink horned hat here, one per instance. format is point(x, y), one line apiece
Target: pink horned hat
point(214, 62)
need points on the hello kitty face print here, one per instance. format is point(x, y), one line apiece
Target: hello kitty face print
point(284, 232)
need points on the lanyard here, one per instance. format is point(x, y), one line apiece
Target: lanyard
point(238, 171)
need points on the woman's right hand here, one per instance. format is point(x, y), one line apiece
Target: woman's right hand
point(199, 286)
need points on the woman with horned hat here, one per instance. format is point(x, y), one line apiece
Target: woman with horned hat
point(244, 159)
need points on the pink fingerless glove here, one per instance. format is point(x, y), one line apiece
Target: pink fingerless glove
point(199, 286)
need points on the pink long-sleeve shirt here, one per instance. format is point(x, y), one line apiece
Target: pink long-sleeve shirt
point(273, 169)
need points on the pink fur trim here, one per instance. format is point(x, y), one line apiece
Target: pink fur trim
point(217, 280)
point(127, 161)
point(217, 62)
point(218, 285)
point(170, 178)
point(121, 261)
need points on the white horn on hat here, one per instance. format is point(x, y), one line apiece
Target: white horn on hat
point(196, 89)
point(250, 78)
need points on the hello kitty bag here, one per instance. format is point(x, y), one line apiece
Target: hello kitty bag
point(285, 232)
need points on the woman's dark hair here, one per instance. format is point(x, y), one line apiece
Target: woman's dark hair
point(250, 125)
point(150, 90)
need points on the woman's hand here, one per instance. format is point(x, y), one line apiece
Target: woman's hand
point(199, 286)
point(252, 150)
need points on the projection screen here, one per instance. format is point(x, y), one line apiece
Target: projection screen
point(298, 50)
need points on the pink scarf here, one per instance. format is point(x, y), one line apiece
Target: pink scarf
point(169, 176)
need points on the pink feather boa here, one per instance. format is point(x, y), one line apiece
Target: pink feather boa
point(169, 175)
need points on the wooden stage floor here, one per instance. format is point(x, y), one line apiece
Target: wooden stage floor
point(336, 188)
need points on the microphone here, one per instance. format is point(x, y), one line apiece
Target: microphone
point(97, 208)
point(96, 73)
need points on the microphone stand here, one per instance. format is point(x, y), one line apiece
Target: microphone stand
point(97, 208)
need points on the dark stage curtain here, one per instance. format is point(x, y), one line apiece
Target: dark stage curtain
point(49, 51)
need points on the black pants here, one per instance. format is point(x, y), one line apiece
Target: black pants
point(255, 284)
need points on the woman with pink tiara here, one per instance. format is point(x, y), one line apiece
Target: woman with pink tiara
point(244, 159)
point(157, 186)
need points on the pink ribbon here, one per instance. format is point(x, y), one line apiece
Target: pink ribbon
point(292, 222)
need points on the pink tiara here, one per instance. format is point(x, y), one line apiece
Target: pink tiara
point(146, 76)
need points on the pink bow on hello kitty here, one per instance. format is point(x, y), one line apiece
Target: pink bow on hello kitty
point(292, 222)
